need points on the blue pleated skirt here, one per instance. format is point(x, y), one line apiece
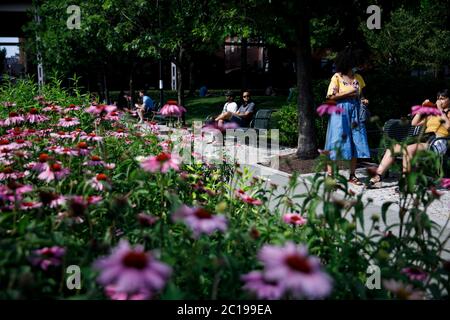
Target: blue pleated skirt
point(346, 134)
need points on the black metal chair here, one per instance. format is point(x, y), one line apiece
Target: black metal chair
point(401, 130)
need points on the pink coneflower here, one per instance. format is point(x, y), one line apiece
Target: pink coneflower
point(15, 133)
point(68, 122)
point(14, 191)
point(5, 144)
point(402, 291)
point(445, 183)
point(112, 293)
point(172, 109)
point(329, 107)
point(41, 164)
point(146, 220)
point(61, 135)
point(47, 257)
point(13, 119)
point(51, 199)
point(295, 270)
point(99, 182)
point(161, 163)
point(54, 172)
point(215, 126)
point(52, 108)
point(66, 151)
point(166, 145)
point(94, 161)
point(33, 116)
point(83, 149)
point(200, 220)
point(39, 98)
point(78, 205)
point(435, 193)
point(415, 274)
point(93, 199)
point(426, 111)
point(31, 132)
point(119, 133)
point(294, 219)
point(263, 289)
point(112, 116)
point(72, 107)
point(110, 166)
point(20, 143)
point(30, 205)
point(99, 109)
point(132, 271)
point(21, 154)
point(77, 133)
point(246, 198)
point(6, 161)
point(153, 126)
point(91, 137)
point(9, 173)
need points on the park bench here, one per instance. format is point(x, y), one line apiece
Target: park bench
point(260, 122)
point(401, 130)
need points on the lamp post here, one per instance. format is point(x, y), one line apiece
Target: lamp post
point(40, 68)
point(161, 83)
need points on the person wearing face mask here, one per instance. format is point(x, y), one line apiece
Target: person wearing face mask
point(436, 126)
point(346, 133)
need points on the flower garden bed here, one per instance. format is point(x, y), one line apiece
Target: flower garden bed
point(82, 187)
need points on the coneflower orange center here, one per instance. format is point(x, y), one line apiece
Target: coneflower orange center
point(136, 260)
point(202, 214)
point(162, 157)
point(298, 263)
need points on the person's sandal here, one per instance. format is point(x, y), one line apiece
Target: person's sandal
point(354, 180)
point(375, 181)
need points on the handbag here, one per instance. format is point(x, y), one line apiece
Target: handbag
point(364, 113)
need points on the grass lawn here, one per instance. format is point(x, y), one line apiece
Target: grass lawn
point(199, 108)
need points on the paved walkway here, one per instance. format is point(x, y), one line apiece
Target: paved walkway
point(259, 159)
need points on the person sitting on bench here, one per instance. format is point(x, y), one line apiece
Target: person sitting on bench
point(243, 116)
point(436, 127)
point(146, 106)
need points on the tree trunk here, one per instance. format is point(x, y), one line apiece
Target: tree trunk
point(191, 78)
point(307, 144)
point(244, 45)
point(131, 87)
point(180, 84)
point(105, 86)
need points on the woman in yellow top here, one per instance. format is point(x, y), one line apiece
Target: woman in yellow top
point(436, 127)
point(346, 134)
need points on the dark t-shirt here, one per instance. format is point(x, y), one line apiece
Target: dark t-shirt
point(244, 121)
point(250, 107)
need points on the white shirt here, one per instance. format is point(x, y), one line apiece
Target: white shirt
point(230, 107)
